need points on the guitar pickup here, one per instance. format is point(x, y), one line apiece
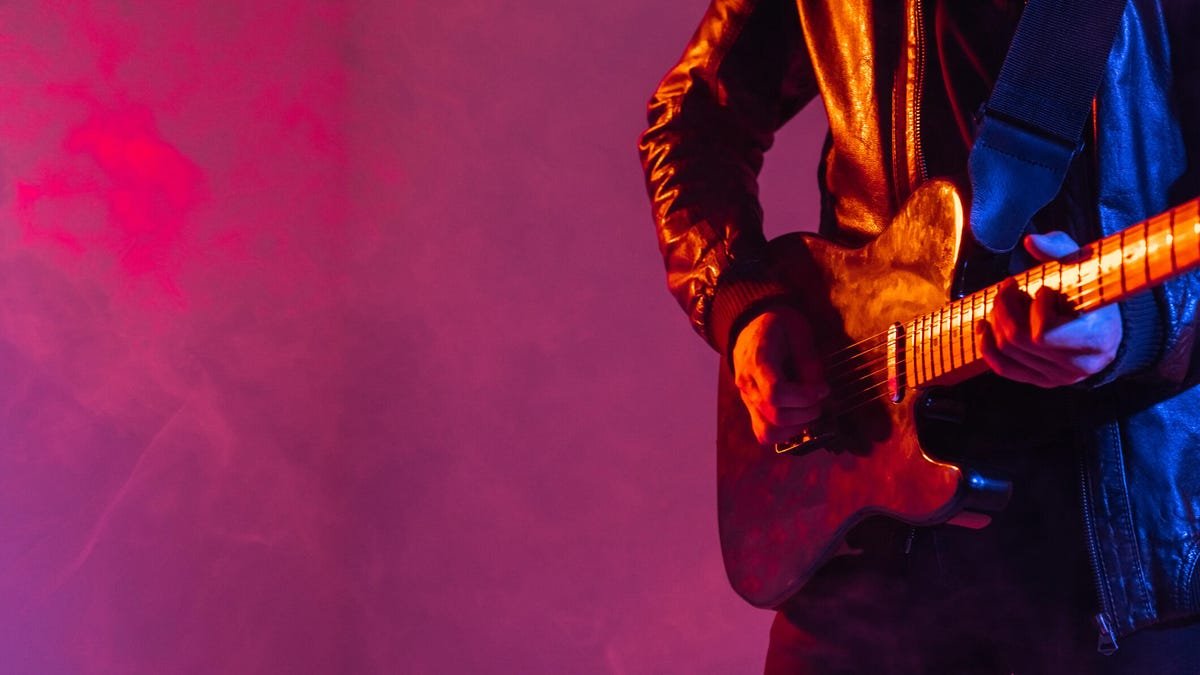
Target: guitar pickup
point(895, 362)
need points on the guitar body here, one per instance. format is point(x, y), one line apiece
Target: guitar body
point(782, 516)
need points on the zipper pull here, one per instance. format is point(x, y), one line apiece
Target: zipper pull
point(1107, 644)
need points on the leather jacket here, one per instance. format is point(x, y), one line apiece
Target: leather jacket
point(752, 64)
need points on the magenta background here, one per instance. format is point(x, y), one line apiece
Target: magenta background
point(333, 339)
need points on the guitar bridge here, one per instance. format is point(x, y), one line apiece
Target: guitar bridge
point(820, 435)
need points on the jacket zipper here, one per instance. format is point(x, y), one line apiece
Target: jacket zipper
point(1106, 642)
point(918, 91)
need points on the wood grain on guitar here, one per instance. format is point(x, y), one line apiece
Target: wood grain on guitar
point(881, 318)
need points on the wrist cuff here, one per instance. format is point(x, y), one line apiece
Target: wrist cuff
point(735, 302)
point(1141, 339)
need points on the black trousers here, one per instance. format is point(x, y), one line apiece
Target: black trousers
point(1017, 596)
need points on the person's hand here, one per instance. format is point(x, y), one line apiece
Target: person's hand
point(1038, 341)
point(779, 374)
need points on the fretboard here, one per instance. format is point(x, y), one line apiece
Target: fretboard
point(940, 344)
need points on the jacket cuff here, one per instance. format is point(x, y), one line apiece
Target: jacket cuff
point(1141, 340)
point(736, 301)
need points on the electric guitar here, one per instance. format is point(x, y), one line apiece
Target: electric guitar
point(882, 321)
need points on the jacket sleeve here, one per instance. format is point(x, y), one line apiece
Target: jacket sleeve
point(1161, 328)
point(1180, 358)
point(745, 72)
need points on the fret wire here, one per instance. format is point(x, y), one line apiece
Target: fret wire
point(941, 343)
point(1191, 232)
point(1121, 257)
point(926, 357)
point(947, 336)
point(933, 373)
point(1171, 235)
point(974, 356)
point(942, 338)
point(939, 327)
point(956, 323)
point(1146, 248)
point(983, 306)
point(935, 337)
point(918, 353)
point(962, 347)
point(933, 355)
point(927, 338)
point(982, 312)
point(950, 321)
point(1159, 232)
point(1169, 238)
point(1079, 272)
point(950, 317)
point(929, 345)
point(908, 352)
point(948, 340)
point(914, 352)
point(928, 327)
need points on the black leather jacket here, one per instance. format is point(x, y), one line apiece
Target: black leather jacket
point(752, 64)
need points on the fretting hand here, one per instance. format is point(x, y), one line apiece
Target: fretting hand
point(1037, 341)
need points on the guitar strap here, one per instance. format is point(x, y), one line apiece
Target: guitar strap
point(1034, 119)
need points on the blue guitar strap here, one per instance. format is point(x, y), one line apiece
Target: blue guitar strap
point(1034, 119)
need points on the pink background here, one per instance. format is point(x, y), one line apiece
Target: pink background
point(334, 339)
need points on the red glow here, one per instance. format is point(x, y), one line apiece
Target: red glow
point(148, 189)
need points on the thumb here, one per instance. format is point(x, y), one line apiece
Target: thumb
point(1050, 246)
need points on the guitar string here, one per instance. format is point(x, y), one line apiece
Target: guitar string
point(834, 368)
point(938, 327)
point(852, 350)
point(842, 385)
point(1089, 291)
point(1057, 267)
point(936, 358)
point(1093, 289)
point(856, 406)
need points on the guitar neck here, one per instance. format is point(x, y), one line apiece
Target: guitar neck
point(940, 346)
